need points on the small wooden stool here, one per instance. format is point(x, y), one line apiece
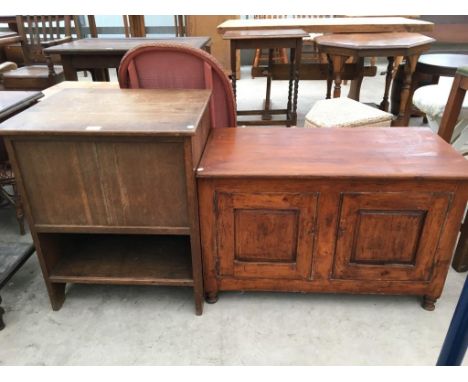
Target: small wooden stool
point(345, 112)
point(339, 47)
point(270, 39)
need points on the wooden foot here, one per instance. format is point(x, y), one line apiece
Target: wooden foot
point(2, 312)
point(211, 297)
point(428, 303)
point(199, 304)
point(57, 295)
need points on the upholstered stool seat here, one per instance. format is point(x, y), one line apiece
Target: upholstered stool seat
point(345, 112)
point(32, 77)
point(431, 100)
point(7, 66)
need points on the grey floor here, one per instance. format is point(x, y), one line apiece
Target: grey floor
point(120, 325)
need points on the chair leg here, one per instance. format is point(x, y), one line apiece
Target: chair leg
point(19, 209)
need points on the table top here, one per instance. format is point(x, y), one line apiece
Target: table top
point(78, 85)
point(11, 101)
point(100, 111)
point(444, 60)
point(265, 34)
point(332, 24)
point(8, 34)
point(398, 153)
point(119, 45)
point(365, 41)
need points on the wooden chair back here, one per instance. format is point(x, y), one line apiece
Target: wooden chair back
point(131, 28)
point(447, 125)
point(454, 104)
point(165, 65)
point(37, 30)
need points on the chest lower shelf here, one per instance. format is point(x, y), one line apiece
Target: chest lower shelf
point(122, 259)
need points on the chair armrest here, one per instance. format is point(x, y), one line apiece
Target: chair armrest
point(10, 40)
point(59, 41)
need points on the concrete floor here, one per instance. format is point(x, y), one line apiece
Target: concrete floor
point(123, 325)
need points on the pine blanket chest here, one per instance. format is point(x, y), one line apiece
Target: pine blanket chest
point(330, 210)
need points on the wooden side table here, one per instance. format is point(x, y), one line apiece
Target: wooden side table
point(110, 192)
point(270, 39)
point(339, 47)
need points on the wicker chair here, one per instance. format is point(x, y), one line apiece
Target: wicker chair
point(177, 66)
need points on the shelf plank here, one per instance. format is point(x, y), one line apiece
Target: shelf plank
point(57, 228)
point(125, 259)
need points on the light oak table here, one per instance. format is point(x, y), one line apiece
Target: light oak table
point(331, 24)
point(341, 47)
point(330, 210)
point(108, 181)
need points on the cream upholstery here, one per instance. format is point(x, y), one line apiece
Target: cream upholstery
point(431, 100)
point(345, 112)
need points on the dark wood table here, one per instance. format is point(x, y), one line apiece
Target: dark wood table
point(340, 47)
point(11, 103)
point(105, 53)
point(270, 39)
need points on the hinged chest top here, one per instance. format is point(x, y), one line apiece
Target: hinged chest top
point(113, 112)
point(409, 153)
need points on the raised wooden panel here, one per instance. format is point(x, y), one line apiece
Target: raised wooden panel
point(389, 235)
point(402, 233)
point(266, 235)
point(104, 183)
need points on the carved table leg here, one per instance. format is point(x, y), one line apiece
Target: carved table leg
point(233, 67)
point(290, 85)
point(337, 63)
point(388, 79)
point(2, 312)
point(429, 303)
point(266, 107)
point(406, 97)
point(297, 65)
point(211, 297)
point(355, 87)
point(330, 77)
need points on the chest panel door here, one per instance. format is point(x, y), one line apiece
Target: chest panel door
point(389, 235)
point(266, 235)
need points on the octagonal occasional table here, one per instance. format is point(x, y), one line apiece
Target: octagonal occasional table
point(339, 47)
